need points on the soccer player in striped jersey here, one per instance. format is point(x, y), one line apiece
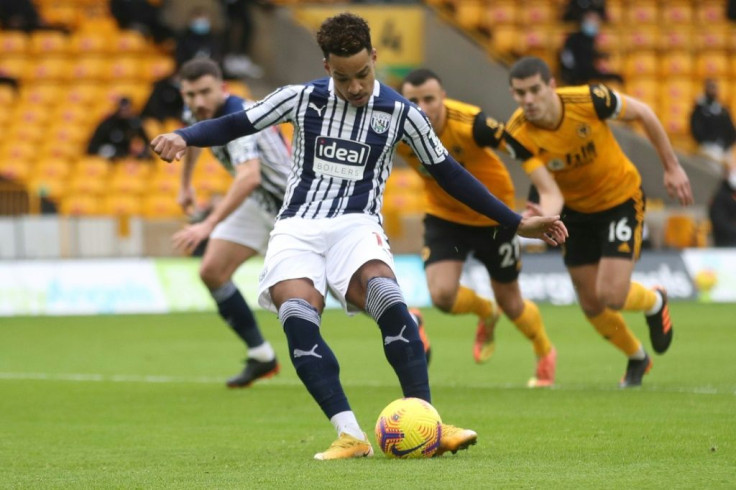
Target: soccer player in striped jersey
point(239, 226)
point(452, 231)
point(565, 130)
point(329, 233)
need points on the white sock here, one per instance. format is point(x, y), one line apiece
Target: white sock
point(347, 423)
point(657, 305)
point(263, 352)
point(639, 355)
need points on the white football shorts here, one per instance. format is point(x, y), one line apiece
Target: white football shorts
point(327, 251)
point(249, 225)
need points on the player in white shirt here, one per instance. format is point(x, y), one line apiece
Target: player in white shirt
point(329, 233)
point(239, 225)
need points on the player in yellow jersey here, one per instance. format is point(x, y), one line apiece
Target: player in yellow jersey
point(566, 131)
point(453, 230)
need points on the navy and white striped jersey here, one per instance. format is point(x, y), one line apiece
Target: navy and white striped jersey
point(269, 146)
point(343, 154)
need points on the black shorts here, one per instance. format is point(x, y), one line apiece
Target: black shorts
point(615, 232)
point(495, 247)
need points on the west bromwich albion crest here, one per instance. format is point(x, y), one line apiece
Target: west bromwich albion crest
point(380, 122)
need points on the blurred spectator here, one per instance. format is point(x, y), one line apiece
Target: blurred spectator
point(711, 125)
point(576, 8)
point(165, 100)
point(7, 80)
point(198, 39)
point(22, 15)
point(723, 211)
point(239, 38)
point(731, 9)
point(120, 135)
point(579, 58)
point(142, 16)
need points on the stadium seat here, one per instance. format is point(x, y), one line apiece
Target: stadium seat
point(26, 133)
point(506, 40)
point(137, 92)
point(82, 94)
point(12, 168)
point(640, 64)
point(80, 204)
point(501, 13)
point(92, 166)
point(14, 43)
point(239, 88)
point(128, 184)
point(711, 64)
point(679, 231)
point(677, 12)
point(709, 12)
point(642, 12)
point(52, 168)
point(44, 93)
point(615, 12)
point(641, 37)
point(14, 66)
point(676, 38)
point(161, 206)
point(8, 96)
point(536, 13)
point(48, 68)
point(86, 185)
point(676, 63)
point(675, 117)
point(31, 114)
point(713, 38)
point(48, 187)
point(90, 68)
point(61, 149)
point(89, 42)
point(45, 43)
point(129, 42)
point(163, 184)
point(156, 67)
point(124, 68)
point(65, 14)
point(404, 181)
point(65, 132)
point(608, 40)
point(469, 15)
point(121, 205)
point(677, 90)
point(645, 89)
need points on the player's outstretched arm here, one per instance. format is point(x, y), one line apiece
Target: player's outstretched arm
point(547, 228)
point(675, 179)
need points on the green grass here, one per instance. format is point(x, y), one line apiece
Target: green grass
point(139, 402)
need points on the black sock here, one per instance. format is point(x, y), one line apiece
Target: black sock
point(314, 361)
point(235, 311)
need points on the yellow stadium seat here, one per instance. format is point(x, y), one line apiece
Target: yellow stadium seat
point(161, 206)
point(129, 42)
point(501, 13)
point(641, 64)
point(80, 204)
point(676, 63)
point(14, 169)
point(645, 89)
point(167, 170)
point(711, 64)
point(82, 94)
point(152, 127)
point(128, 184)
point(676, 38)
point(52, 168)
point(87, 185)
point(89, 68)
point(157, 67)
point(677, 12)
point(61, 149)
point(74, 115)
point(31, 114)
point(137, 92)
point(677, 90)
point(709, 12)
point(74, 133)
point(49, 69)
point(642, 12)
point(642, 37)
point(14, 43)
point(14, 66)
point(92, 166)
point(615, 12)
point(172, 125)
point(162, 184)
point(8, 96)
point(714, 37)
point(89, 42)
point(676, 117)
point(679, 231)
point(505, 40)
point(65, 14)
point(536, 13)
point(469, 14)
point(121, 205)
point(404, 180)
point(124, 68)
point(608, 40)
point(49, 43)
point(26, 133)
point(47, 94)
point(105, 25)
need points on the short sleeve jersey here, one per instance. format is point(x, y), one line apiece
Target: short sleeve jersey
point(582, 153)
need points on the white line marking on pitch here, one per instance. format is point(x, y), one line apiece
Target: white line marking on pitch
point(282, 381)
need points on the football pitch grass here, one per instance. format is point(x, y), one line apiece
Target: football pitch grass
point(139, 402)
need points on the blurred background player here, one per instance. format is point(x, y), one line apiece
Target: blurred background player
point(329, 232)
point(120, 134)
point(239, 225)
point(712, 127)
point(566, 130)
point(453, 231)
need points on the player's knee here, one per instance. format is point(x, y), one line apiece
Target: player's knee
point(443, 298)
point(611, 298)
point(213, 277)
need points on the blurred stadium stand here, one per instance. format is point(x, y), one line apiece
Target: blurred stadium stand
point(69, 82)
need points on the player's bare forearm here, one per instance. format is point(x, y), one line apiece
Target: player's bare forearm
point(550, 196)
point(187, 169)
point(245, 182)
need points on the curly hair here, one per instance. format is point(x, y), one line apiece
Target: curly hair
point(344, 35)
